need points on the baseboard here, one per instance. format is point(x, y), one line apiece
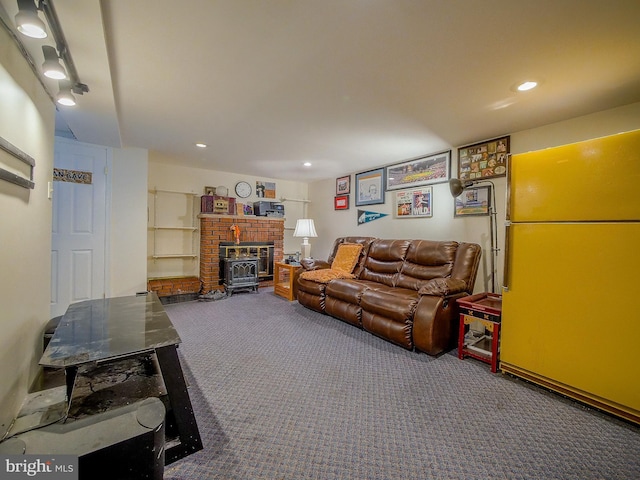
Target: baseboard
point(599, 403)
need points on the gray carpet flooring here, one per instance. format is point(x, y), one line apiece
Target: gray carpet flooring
point(281, 392)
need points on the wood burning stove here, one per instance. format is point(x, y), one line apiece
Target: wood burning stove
point(240, 273)
point(262, 251)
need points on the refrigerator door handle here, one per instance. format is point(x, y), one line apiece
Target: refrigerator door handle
point(506, 280)
point(508, 191)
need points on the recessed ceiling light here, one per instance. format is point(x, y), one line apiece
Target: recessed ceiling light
point(528, 85)
point(201, 145)
point(307, 164)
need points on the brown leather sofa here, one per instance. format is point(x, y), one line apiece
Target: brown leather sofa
point(403, 291)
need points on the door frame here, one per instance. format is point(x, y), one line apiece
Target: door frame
point(107, 202)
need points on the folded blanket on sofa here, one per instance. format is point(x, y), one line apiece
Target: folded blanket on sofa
point(325, 275)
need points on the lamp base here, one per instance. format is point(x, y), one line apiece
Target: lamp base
point(305, 248)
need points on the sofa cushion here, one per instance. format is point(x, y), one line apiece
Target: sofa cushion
point(348, 290)
point(384, 261)
point(425, 261)
point(394, 303)
point(346, 257)
point(311, 287)
point(325, 275)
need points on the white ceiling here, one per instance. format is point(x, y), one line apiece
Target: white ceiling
point(347, 85)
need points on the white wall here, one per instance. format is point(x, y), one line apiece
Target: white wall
point(26, 121)
point(164, 173)
point(443, 226)
point(128, 229)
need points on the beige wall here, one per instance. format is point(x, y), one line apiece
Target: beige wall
point(26, 121)
point(128, 222)
point(443, 226)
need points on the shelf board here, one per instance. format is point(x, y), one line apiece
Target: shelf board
point(174, 228)
point(176, 255)
point(159, 190)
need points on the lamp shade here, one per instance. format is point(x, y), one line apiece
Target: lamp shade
point(305, 228)
point(27, 20)
point(457, 187)
point(65, 97)
point(51, 66)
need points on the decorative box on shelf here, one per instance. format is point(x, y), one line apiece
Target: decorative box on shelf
point(218, 204)
point(479, 334)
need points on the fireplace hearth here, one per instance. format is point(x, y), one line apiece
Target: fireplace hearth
point(261, 237)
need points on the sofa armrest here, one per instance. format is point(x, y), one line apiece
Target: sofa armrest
point(443, 287)
point(313, 264)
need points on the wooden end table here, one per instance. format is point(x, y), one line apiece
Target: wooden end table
point(283, 275)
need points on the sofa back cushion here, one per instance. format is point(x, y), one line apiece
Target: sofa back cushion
point(384, 261)
point(466, 264)
point(425, 260)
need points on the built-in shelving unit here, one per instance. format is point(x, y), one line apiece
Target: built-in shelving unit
point(173, 228)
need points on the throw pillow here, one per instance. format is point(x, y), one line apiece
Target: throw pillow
point(346, 257)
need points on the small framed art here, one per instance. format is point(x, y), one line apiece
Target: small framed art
point(414, 203)
point(370, 187)
point(343, 185)
point(341, 202)
point(475, 201)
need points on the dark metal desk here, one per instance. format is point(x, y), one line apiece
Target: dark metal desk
point(100, 331)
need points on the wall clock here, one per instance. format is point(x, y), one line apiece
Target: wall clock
point(243, 189)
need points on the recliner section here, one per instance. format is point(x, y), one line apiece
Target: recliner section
point(404, 290)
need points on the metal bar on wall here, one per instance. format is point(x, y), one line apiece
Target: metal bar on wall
point(24, 158)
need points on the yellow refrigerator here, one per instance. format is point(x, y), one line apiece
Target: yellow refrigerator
point(571, 299)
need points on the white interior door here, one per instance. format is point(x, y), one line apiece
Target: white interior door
point(79, 224)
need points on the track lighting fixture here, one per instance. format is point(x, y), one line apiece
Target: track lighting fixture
point(65, 97)
point(27, 20)
point(51, 66)
point(28, 23)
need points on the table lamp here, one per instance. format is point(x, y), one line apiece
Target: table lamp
point(305, 229)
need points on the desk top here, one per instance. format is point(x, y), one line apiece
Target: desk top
point(97, 330)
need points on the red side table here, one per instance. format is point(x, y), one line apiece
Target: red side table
point(484, 309)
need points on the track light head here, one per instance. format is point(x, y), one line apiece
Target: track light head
point(27, 20)
point(51, 66)
point(65, 97)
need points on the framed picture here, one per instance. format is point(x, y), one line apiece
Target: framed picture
point(341, 202)
point(265, 189)
point(343, 185)
point(473, 201)
point(209, 190)
point(484, 160)
point(414, 203)
point(370, 187)
point(420, 171)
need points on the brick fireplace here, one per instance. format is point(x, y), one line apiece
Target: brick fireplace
point(216, 229)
